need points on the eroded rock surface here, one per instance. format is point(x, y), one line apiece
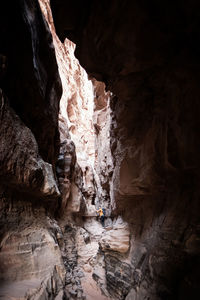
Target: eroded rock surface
point(102, 119)
point(30, 89)
point(116, 238)
point(21, 165)
point(31, 265)
point(147, 54)
point(31, 80)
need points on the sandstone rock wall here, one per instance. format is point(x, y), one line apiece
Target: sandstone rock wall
point(31, 81)
point(75, 125)
point(30, 256)
point(147, 54)
point(145, 171)
point(102, 120)
point(85, 118)
point(85, 110)
point(30, 89)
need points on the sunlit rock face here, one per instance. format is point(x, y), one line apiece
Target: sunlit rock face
point(102, 120)
point(84, 120)
point(76, 113)
point(147, 54)
point(75, 124)
point(77, 161)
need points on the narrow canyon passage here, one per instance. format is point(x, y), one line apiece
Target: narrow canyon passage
point(84, 171)
point(99, 108)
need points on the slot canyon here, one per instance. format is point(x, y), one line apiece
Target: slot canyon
point(99, 108)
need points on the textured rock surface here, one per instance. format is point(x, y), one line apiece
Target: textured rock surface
point(31, 265)
point(119, 277)
point(103, 157)
point(30, 253)
point(147, 54)
point(80, 246)
point(30, 258)
point(116, 239)
point(31, 81)
point(75, 125)
point(21, 165)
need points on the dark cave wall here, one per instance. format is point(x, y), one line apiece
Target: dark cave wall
point(31, 80)
point(30, 90)
point(148, 55)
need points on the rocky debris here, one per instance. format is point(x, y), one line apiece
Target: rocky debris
point(87, 247)
point(99, 273)
point(73, 288)
point(94, 227)
point(91, 258)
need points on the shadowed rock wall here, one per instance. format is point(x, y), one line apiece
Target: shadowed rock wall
point(31, 80)
point(148, 56)
point(30, 89)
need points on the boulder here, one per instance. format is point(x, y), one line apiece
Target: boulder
point(116, 239)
